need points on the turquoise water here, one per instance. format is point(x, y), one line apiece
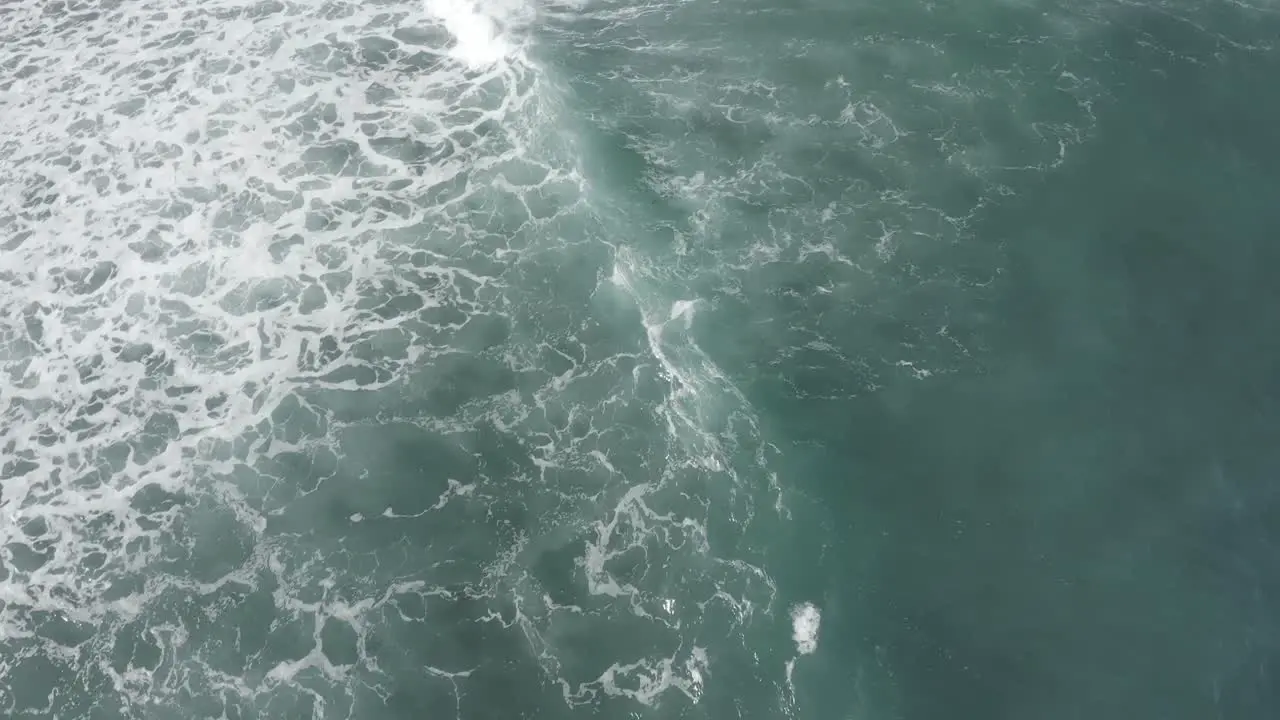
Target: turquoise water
point(639, 360)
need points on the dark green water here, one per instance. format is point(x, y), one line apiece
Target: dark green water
point(376, 360)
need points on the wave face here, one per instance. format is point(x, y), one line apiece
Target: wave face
point(525, 358)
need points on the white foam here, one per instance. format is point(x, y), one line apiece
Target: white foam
point(203, 204)
point(644, 681)
point(217, 197)
point(479, 41)
point(805, 622)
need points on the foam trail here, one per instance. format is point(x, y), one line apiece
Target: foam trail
point(257, 251)
point(212, 232)
point(806, 620)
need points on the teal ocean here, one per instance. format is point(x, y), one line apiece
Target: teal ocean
point(796, 359)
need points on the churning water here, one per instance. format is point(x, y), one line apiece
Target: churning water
point(652, 358)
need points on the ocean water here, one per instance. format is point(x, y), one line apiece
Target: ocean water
point(810, 359)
